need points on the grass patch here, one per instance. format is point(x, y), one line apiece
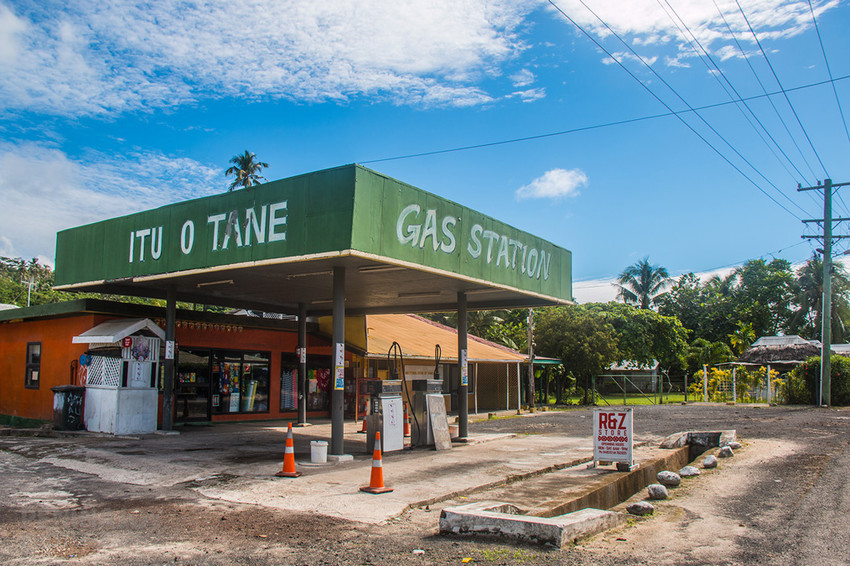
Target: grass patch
point(15, 421)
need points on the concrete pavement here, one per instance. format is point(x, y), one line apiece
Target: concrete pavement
point(237, 462)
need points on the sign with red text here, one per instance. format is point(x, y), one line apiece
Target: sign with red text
point(612, 435)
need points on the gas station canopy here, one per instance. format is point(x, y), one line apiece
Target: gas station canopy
point(273, 246)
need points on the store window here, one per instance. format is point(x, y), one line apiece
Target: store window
point(33, 366)
point(240, 382)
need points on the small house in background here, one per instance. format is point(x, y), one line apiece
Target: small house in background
point(629, 376)
point(780, 352)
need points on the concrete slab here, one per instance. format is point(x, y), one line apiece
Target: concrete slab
point(504, 521)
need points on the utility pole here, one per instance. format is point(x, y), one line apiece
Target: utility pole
point(531, 359)
point(825, 397)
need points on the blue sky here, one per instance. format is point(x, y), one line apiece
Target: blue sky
point(110, 108)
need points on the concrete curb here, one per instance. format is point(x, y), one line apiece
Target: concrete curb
point(504, 521)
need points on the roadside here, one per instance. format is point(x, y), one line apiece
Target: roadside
point(740, 514)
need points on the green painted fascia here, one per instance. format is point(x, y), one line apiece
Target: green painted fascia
point(290, 218)
point(398, 221)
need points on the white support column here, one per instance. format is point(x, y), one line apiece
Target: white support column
point(518, 391)
point(475, 386)
point(769, 385)
point(734, 385)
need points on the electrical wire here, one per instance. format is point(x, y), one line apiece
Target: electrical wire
point(782, 89)
point(769, 99)
point(591, 127)
point(659, 99)
point(834, 90)
point(718, 74)
point(398, 360)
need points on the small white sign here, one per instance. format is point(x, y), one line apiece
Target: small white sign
point(464, 369)
point(392, 437)
point(302, 355)
point(613, 435)
point(169, 349)
point(339, 367)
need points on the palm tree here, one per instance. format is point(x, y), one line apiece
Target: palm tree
point(808, 316)
point(640, 284)
point(247, 170)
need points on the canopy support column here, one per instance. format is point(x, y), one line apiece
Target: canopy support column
point(338, 377)
point(463, 388)
point(168, 366)
point(302, 364)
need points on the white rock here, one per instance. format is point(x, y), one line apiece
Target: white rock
point(641, 508)
point(670, 479)
point(657, 491)
point(725, 452)
point(735, 445)
point(689, 471)
point(709, 462)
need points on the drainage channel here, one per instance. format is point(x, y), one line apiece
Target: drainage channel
point(564, 505)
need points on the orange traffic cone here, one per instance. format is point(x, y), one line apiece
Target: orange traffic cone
point(406, 422)
point(288, 470)
point(363, 429)
point(376, 483)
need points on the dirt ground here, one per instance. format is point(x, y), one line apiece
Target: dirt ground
point(783, 499)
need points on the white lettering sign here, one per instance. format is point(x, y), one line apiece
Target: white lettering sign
point(259, 225)
point(420, 230)
point(612, 435)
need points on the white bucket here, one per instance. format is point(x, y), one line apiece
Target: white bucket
point(319, 451)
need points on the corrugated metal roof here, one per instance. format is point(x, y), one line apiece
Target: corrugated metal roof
point(418, 336)
point(112, 331)
point(792, 340)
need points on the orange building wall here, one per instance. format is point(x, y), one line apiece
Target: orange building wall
point(57, 356)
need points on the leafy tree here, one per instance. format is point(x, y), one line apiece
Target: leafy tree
point(764, 295)
point(246, 170)
point(644, 335)
point(584, 342)
point(807, 319)
point(702, 352)
point(506, 327)
point(641, 283)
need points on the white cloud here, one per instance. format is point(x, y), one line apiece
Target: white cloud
point(529, 95)
point(44, 191)
point(94, 58)
point(554, 184)
point(522, 78)
point(646, 25)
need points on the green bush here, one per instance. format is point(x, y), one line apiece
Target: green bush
point(804, 380)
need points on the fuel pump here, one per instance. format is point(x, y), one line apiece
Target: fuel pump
point(421, 434)
point(386, 408)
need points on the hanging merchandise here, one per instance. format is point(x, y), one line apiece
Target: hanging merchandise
point(323, 377)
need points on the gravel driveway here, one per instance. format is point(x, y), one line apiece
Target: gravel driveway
point(783, 499)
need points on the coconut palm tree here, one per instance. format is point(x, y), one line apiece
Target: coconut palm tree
point(247, 170)
point(641, 283)
point(807, 318)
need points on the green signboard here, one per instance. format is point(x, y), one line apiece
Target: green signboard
point(348, 210)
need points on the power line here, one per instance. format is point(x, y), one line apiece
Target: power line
point(592, 127)
point(834, 90)
point(659, 99)
point(721, 75)
point(781, 88)
point(718, 75)
point(829, 71)
point(769, 99)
